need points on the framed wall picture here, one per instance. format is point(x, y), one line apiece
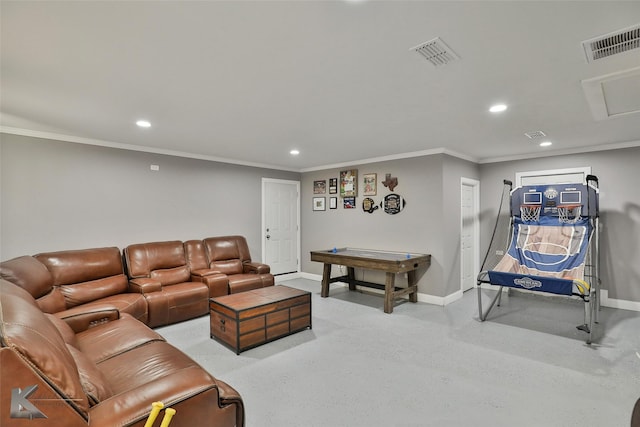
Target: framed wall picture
point(349, 203)
point(333, 203)
point(349, 183)
point(318, 203)
point(370, 186)
point(319, 187)
point(333, 185)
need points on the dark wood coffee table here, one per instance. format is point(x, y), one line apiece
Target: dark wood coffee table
point(249, 319)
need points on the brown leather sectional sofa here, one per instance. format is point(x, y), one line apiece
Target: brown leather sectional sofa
point(76, 327)
point(159, 283)
point(108, 374)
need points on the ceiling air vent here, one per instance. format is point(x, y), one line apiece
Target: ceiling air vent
point(535, 134)
point(612, 43)
point(436, 51)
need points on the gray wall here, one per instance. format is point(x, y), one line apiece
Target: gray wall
point(619, 175)
point(430, 223)
point(59, 195)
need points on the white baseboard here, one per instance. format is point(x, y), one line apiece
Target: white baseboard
point(429, 299)
point(617, 303)
point(605, 301)
point(288, 276)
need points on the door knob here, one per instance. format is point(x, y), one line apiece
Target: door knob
point(268, 237)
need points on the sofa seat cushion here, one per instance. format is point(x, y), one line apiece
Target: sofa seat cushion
point(230, 266)
point(145, 364)
point(178, 302)
point(114, 338)
point(247, 282)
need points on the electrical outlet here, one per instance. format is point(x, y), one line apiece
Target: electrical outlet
point(155, 167)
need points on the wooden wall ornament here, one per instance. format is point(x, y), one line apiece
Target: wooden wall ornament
point(390, 182)
point(393, 203)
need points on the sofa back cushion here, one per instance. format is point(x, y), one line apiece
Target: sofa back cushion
point(227, 253)
point(162, 261)
point(196, 255)
point(27, 330)
point(86, 275)
point(28, 273)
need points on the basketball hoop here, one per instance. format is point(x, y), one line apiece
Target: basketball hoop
point(569, 214)
point(530, 213)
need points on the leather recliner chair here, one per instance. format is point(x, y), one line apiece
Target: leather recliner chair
point(160, 272)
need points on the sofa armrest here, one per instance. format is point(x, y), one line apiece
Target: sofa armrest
point(217, 282)
point(229, 396)
point(80, 318)
point(191, 392)
point(144, 285)
point(203, 272)
point(255, 267)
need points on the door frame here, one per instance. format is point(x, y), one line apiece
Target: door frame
point(263, 239)
point(475, 185)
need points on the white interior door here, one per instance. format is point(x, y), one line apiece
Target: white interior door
point(469, 232)
point(280, 225)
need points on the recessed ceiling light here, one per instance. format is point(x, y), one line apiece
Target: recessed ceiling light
point(545, 143)
point(143, 123)
point(294, 152)
point(498, 108)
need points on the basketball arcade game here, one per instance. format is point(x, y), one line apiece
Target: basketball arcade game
point(553, 245)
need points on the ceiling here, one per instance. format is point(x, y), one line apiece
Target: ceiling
point(247, 81)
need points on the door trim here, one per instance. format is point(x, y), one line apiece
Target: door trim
point(263, 240)
point(475, 185)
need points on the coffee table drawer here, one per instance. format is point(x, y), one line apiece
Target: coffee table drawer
point(277, 330)
point(300, 323)
point(249, 325)
point(224, 328)
point(252, 339)
point(277, 317)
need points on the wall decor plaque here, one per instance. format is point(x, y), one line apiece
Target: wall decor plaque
point(368, 205)
point(393, 203)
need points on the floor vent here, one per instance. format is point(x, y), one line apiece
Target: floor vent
point(612, 44)
point(436, 51)
point(535, 134)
